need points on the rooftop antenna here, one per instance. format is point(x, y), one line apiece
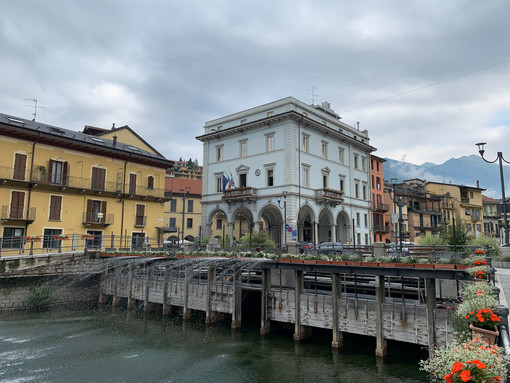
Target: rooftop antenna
point(34, 100)
point(314, 96)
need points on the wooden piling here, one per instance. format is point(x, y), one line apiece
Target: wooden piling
point(210, 315)
point(265, 324)
point(166, 306)
point(300, 331)
point(336, 294)
point(186, 313)
point(147, 305)
point(130, 300)
point(430, 294)
point(381, 348)
point(236, 298)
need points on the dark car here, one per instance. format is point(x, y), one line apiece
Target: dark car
point(331, 248)
point(304, 247)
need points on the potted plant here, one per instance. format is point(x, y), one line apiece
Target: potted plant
point(474, 361)
point(370, 262)
point(482, 323)
point(479, 273)
point(32, 238)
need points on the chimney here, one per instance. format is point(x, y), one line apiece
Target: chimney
point(114, 140)
point(113, 126)
point(478, 184)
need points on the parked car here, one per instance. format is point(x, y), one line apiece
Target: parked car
point(395, 246)
point(331, 248)
point(304, 247)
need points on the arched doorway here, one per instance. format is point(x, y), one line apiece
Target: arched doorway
point(325, 226)
point(272, 219)
point(344, 227)
point(306, 223)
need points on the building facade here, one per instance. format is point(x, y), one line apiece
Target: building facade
point(291, 169)
point(183, 210)
point(379, 206)
point(57, 182)
point(464, 203)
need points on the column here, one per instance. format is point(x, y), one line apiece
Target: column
point(231, 232)
point(381, 348)
point(333, 232)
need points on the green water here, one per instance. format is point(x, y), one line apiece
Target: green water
point(122, 346)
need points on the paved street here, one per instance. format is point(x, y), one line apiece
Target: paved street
point(503, 282)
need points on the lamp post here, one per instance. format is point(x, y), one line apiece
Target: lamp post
point(284, 194)
point(184, 195)
point(500, 159)
point(394, 182)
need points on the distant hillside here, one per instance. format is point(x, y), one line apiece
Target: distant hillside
point(466, 170)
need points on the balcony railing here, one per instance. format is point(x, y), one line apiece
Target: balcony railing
point(382, 207)
point(40, 176)
point(93, 218)
point(17, 213)
point(381, 228)
point(329, 195)
point(240, 194)
point(140, 220)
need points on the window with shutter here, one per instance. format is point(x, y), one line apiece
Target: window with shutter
point(55, 207)
point(140, 215)
point(17, 204)
point(132, 184)
point(20, 164)
point(98, 179)
point(150, 182)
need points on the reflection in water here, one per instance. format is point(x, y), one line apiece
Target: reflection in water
point(123, 346)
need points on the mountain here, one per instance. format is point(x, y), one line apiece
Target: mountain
point(466, 170)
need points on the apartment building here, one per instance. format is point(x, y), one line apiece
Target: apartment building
point(379, 206)
point(56, 181)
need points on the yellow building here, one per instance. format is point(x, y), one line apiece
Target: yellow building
point(184, 209)
point(464, 203)
point(56, 183)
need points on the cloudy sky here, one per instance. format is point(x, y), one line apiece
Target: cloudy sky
point(165, 67)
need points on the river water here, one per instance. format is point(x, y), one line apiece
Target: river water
point(126, 346)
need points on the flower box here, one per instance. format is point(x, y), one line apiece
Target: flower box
point(461, 267)
point(285, 260)
point(370, 264)
point(387, 264)
point(32, 239)
point(423, 265)
point(444, 266)
point(488, 336)
point(323, 262)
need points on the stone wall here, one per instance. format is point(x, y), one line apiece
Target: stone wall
point(70, 291)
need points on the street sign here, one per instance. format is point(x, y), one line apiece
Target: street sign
point(394, 218)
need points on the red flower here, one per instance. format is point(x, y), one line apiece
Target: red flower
point(448, 378)
point(479, 365)
point(457, 366)
point(465, 375)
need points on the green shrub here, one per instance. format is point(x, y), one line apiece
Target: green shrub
point(39, 298)
point(482, 242)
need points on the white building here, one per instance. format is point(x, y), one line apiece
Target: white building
point(300, 155)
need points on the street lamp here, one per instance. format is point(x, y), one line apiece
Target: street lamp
point(500, 159)
point(400, 203)
point(184, 195)
point(284, 193)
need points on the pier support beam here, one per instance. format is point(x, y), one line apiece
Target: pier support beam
point(336, 294)
point(115, 295)
point(381, 348)
point(186, 313)
point(237, 299)
point(102, 296)
point(300, 331)
point(265, 324)
point(210, 315)
point(130, 300)
point(147, 305)
point(430, 293)
point(166, 307)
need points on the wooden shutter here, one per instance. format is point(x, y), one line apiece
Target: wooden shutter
point(132, 184)
point(55, 207)
point(103, 210)
point(150, 182)
point(140, 215)
point(88, 214)
point(65, 173)
point(98, 178)
point(20, 164)
point(50, 171)
point(17, 204)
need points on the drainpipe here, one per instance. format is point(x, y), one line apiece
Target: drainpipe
point(122, 201)
point(30, 182)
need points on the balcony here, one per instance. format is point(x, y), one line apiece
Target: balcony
point(17, 214)
point(94, 218)
point(240, 194)
point(329, 196)
point(381, 228)
point(381, 207)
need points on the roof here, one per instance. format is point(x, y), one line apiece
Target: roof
point(459, 186)
point(179, 185)
point(56, 136)
point(125, 127)
point(490, 200)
